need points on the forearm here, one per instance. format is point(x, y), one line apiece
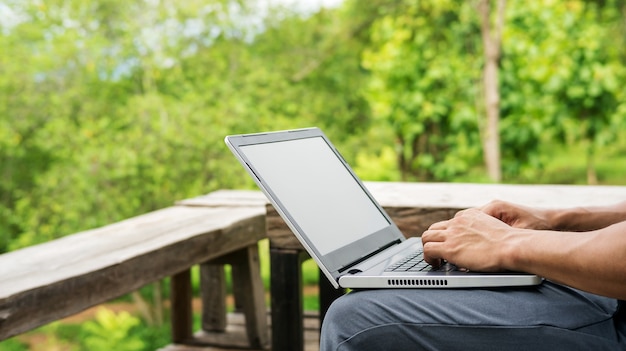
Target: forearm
point(581, 219)
point(593, 261)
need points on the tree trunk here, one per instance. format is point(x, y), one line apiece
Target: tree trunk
point(592, 176)
point(491, 42)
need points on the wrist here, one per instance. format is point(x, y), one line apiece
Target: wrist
point(574, 219)
point(513, 253)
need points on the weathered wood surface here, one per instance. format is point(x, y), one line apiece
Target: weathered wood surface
point(226, 198)
point(463, 195)
point(47, 282)
point(445, 195)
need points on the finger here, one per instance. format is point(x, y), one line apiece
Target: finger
point(433, 236)
point(492, 207)
point(496, 209)
point(460, 213)
point(439, 225)
point(431, 254)
point(466, 212)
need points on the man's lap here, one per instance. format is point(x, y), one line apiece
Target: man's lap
point(546, 316)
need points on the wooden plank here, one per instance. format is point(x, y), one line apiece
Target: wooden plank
point(98, 265)
point(182, 314)
point(227, 198)
point(464, 195)
point(84, 252)
point(213, 294)
point(446, 195)
point(247, 280)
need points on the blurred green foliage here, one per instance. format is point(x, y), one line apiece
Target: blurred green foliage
point(112, 331)
point(114, 108)
point(107, 330)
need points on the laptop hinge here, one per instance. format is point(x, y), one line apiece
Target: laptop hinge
point(380, 249)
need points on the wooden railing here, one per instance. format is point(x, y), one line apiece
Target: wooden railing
point(47, 282)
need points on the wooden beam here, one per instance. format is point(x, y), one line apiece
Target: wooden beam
point(182, 314)
point(247, 281)
point(213, 294)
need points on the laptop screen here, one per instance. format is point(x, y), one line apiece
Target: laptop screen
point(321, 197)
point(320, 194)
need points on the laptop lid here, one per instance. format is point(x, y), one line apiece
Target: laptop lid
point(318, 195)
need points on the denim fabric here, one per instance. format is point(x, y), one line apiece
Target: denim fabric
point(545, 317)
point(620, 322)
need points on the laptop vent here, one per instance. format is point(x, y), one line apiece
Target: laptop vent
point(417, 282)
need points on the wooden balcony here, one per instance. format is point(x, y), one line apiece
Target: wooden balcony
point(51, 281)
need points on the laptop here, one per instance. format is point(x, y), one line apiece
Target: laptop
point(339, 223)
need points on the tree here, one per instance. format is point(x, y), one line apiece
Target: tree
point(561, 73)
point(591, 87)
point(424, 74)
point(491, 36)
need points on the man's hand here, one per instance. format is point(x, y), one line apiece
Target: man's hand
point(518, 216)
point(502, 236)
point(472, 239)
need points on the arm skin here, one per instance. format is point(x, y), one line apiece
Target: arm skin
point(584, 248)
point(576, 219)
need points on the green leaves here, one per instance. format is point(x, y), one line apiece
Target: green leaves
point(422, 82)
point(565, 57)
point(112, 331)
point(109, 109)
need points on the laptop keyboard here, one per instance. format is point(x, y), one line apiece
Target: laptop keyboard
point(412, 263)
point(415, 263)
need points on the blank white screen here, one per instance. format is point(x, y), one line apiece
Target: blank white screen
point(317, 191)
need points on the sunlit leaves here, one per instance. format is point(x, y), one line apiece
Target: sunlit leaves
point(562, 66)
point(561, 75)
point(423, 77)
point(112, 108)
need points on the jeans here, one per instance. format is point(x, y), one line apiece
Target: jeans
point(545, 317)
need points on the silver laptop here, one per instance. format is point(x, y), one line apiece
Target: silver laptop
point(348, 234)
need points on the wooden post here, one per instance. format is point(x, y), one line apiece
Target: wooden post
point(286, 291)
point(248, 288)
point(181, 307)
point(213, 294)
